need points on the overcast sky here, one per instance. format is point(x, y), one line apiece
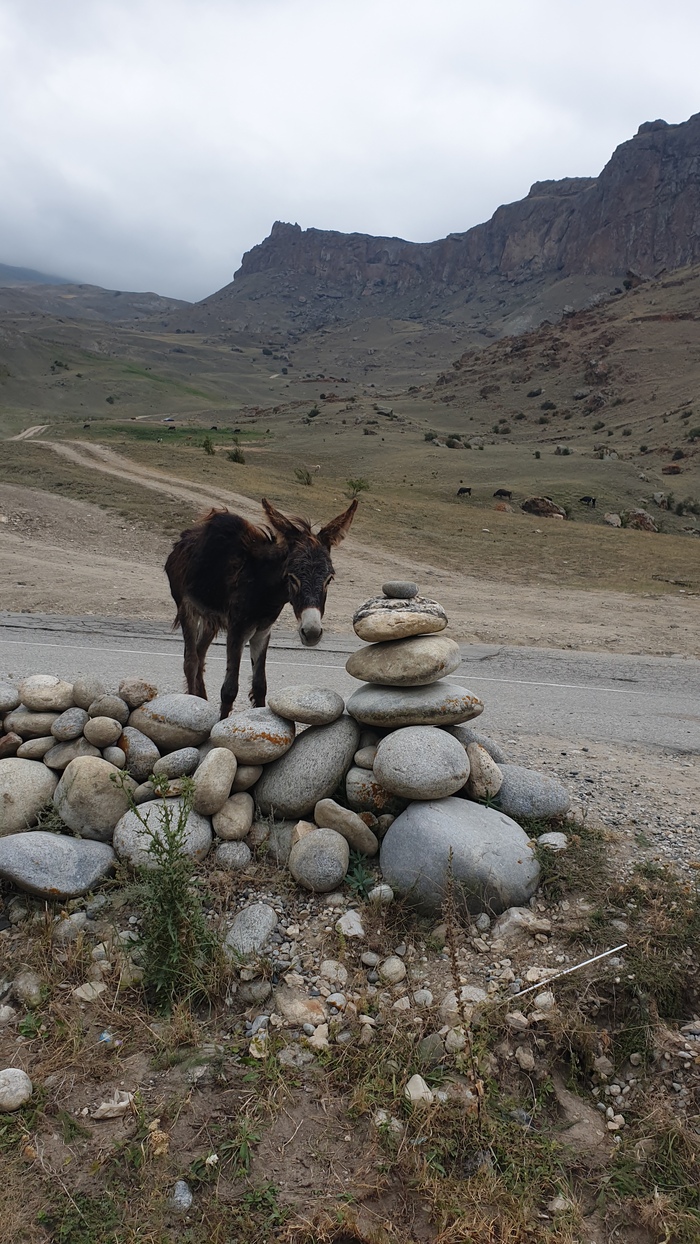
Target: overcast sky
point(146, 144)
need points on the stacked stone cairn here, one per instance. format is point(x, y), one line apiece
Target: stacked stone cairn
point(308, 778)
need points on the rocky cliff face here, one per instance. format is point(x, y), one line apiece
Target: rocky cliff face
point(642, 212)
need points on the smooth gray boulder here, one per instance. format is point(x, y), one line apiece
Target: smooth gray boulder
point(439, 704)
point(87, 689)
point(69, 725)
point(90, 798)
point(309, 771)
point(27, 724)
point(493, 865)
point(251, 930)
point(232, 821)
point(312, 706)
point(525, 792)
point(414, 662)
point(467, 735)
point(136, 691)
point(132, 839)
point(54, 865)
point(9, 697)
point(331, 815)
point(110, 706)
point(61, 754)
point(102, 731)
point(421, 762)
point(26, 786)
point(256, 736)
point(381, 618)
point(181, 763)
point(319, 860)
point(213, 780)
point(233, 855)
point(36, 749)
point(42, 693)
point(141, 753)
point(175, 720)
point(400, 589)
point(365, 793)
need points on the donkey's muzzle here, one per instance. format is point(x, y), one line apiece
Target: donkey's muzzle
point(310, 628)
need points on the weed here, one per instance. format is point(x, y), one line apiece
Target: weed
point(83, 1219)
point(303, 476)
point(598, 425)
point(537, 454)
point(430, 436)
point(233, 1155)
point(356, 486)
point(180, 953)
point(359, 877)
point(236, 454)
point(208, 446)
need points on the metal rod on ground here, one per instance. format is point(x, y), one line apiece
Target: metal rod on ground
point(549, 980)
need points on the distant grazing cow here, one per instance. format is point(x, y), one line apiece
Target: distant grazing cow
point(589, 501)
point(503, 493)
point(464, 492)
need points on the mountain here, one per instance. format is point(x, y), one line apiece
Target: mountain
point(642, 213)
point(28, 276)
point(85, 302)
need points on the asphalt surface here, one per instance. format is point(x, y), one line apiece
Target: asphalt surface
point(576, 697)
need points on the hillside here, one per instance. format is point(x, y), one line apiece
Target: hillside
point(28, 276)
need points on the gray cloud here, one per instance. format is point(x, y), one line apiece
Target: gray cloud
point(148, 143)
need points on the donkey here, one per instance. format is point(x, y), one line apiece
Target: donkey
point(227, 574)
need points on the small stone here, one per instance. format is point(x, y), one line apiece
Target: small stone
point(109, 706)
point(319, 1041)
point(256, 736)
point(26, 786)
point(418, 1092)
point(246, 776)
point(213, 780)
point(312, 706)
point(338, 1000)
point(467, 734)
point(455, 1040)
point(232, 855)
point(33, 749)
point(483, 922)
point(525, 1058)
point(141, 753)
point(234, 820)
point(485, 777)
point(15, 1089)
point(320, 861)
point(294, 1006)
point(102, 731)
point(254, 993)
point(67, 928)
point(554, 841)
point(9, 697)
point(90, 991)
point(136, 691)
point(181, 1198)
point(545, 1001)
point(517, 1021)
point(381, 895)
point(517, 924)
point(61, 755)
point(454, 1012)
point(524, 792)
point(382, 618)
point(423, 997)
point(333, 972)
point(330, 815)
point(9, 745)
point(635, 1059)
point(365, 793)
point(421, 762)
point(559, 1205)
point(398, 589)
point(181, 763)
point(69, 725)
point(370, 959)
point(392, 970)
point(7, 1014)
point(86, 690)
point(350, 925)
point(251, 930)
point(604, 1066)
point(431, 1050)
point(27, 988)
point(42, 693)
point(364, 758)
point(29, 725)
point(385, 1122)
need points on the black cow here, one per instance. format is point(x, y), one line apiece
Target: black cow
point(589, 501)
point(503, 493)
point(464, 492)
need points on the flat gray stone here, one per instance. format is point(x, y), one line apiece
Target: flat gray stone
point(467, 735)
point(365, 793)
point(440, 704)
point(233, 855)
point(331, 815)
point(110, 706)
point(87, 689)
point(9, 697)
point(89, 799)
point(54, 865)
point(61, 755)
point(69, 725)
point(246, 776)
point(9, 745)
point(141, 753)
point(309, 771)
point(421, 762)
point(114, 756)
point(26, 786)
point(554, 841)
point(175, 720)
point(380, 618)
point(102, 731)
point(525, 792)
point(279, 842)
point(493, 865)
point(132, 839)
point(364, 757)
point(36, 749)
point(42, 693)
point(312, 706)
point(181, 763)
point(256, 736)
point(399, 589)
point(319, 861)
point(251, 930)
point(414, 662)
point(27, 724)
point(213, 780)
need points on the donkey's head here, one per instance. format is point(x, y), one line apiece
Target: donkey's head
point(308, 568)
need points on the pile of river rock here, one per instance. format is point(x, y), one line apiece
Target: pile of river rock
point(394, 773)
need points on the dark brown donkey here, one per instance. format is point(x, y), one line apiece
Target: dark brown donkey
point(226, 574)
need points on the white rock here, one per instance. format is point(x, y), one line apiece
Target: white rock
point(517, 924)
point(7, 1014)
point(418, 1092)
point(350, 925)
point(485, 777)
point(454, 1012)
point(15, 1089)
point(525, 1058)
point(333, 972)
point(381, 894)
point(555, 841)
point(380, 618)
point(251, 930)
point(392, 970)
point(90, 991)
point(413, 662)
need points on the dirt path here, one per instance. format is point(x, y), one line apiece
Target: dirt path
point(28, 432)
point(61, 569)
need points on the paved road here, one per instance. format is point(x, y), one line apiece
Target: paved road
point(576, 697)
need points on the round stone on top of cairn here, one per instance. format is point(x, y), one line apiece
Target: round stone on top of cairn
point(399, 590)
point(396, 617)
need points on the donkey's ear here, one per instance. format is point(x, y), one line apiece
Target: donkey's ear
point(277, 519)
point(337, 529)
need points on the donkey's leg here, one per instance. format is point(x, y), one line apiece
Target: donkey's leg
point(207, 631)
point(258, 654)
point(189, 624)
point(234, 648)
